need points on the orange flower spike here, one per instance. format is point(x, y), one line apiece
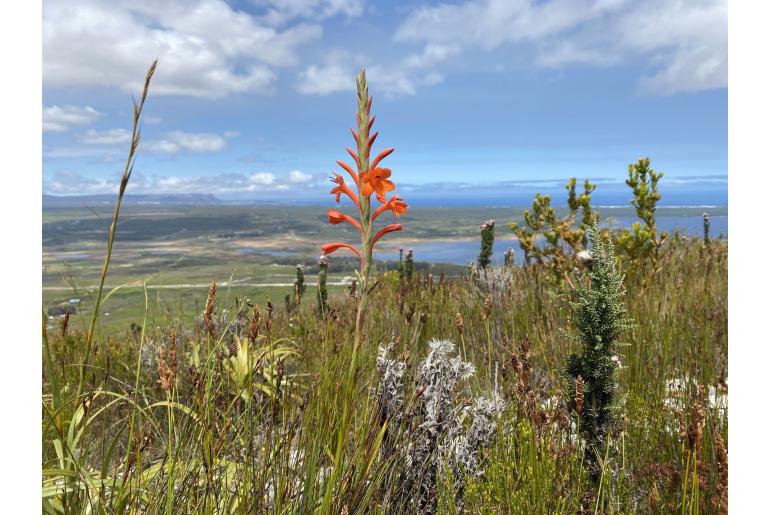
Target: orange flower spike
point(343, 188)
point(337, 217)
point(395, 204)
point(385, 230)
point(355, 136)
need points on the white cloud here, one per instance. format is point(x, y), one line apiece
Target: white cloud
point(683, 43)
point(491, 23)
point(326, 79)
point(205, 48)
point(62, 118)
point(231, 134)
point(262, 179)
point(176, 141)
point(297, 177)
point(161, 147)
point(108, 137)
point(73, 183)
point(281, 11)
point(340, 67)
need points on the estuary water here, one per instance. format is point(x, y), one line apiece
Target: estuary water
point(464, 251)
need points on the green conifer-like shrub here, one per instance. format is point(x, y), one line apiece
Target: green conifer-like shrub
point(487, 242)
point(409, 264)
point(600, 317)
point(323, 295)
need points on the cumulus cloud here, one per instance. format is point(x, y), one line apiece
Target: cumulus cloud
point(282, 11)
point(176, 141)
point(62, 118)
point(262, 179)
point(108, 137)
point(297, 177)
point(73, 183)
point(403, 78)
point(683, 43)
point(207, 47)
point(329, 78)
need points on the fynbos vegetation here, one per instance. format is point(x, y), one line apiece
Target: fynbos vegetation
point(402, 391)
point(562, 239)
point(643, 242)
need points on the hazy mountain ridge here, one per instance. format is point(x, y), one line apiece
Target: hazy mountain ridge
point(60, 201)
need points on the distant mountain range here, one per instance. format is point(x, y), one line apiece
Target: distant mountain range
point(57, 201)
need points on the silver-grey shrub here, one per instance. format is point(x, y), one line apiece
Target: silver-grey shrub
point(437, 437)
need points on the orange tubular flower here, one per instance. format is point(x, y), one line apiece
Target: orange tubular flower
point(348, 169)
point(385, 230)
point(331, 247)
point(376, 181)
point(382, 155)
point(395, 204)
point(336, 217)
point(343, 188)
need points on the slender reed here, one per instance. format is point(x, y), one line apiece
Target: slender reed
point(129, 167)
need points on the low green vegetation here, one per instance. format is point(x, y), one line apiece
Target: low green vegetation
point(532, 465)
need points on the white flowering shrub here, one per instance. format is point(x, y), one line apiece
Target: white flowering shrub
point(440, 436)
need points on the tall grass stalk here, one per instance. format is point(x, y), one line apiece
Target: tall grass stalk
point(127, 170)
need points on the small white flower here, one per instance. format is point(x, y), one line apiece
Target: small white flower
point(584, 258)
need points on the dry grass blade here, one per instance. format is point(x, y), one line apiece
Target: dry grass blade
point(129, 167)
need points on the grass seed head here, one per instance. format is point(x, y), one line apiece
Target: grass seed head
point(459, 324)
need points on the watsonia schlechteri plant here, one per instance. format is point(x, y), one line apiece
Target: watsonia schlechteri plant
point(487, 241)
point(600, 317)
point(368, 178)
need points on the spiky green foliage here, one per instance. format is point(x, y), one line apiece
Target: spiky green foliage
point(487, 242)
point(600, 317)
point(322, 296)
point(562, 238)
point(299, 285)
point(643, 241)
point(508, 261)
point(409, 264)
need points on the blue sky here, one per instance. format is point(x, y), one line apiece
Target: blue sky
point(253, 99)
